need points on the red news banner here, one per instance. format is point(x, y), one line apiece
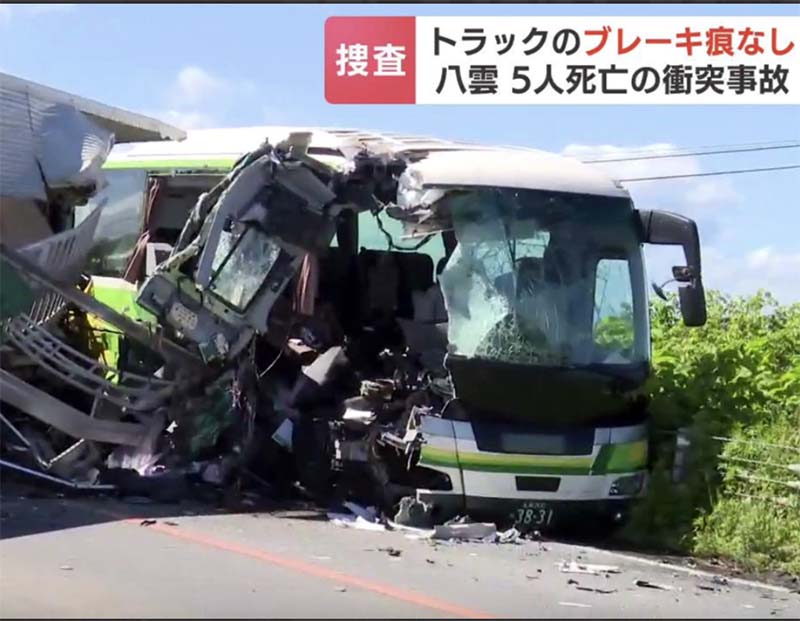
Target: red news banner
point(562, 60)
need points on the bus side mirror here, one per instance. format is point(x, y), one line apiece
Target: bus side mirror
point(665, 228)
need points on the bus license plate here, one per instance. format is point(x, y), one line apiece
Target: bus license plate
point(533, 515)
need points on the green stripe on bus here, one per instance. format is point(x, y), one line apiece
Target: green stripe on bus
point(624, 457)
point(512, 464)
point(224, 164)
point(612, 458)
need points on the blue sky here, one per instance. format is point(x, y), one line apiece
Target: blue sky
point(208, 65)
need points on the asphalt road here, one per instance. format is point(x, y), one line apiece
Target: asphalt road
point(97, 558)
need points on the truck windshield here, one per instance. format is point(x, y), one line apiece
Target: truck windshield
point(544, 278)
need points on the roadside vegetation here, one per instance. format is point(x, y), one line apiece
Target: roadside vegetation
point(733, 386)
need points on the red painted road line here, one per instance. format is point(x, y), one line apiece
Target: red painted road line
point(316, 571)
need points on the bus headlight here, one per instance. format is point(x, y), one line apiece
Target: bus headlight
point(629, 485)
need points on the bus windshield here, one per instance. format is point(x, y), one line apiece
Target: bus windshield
point(545, 278)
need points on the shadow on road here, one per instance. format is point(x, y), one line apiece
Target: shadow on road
point(30, 510)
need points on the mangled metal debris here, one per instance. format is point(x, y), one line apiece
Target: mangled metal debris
point(59, 408)
point(192, 405)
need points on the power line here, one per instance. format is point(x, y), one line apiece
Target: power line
point(649, 150)
point(693, 153)
point(712, 174)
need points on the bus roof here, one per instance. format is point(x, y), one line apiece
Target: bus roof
point(445, 162)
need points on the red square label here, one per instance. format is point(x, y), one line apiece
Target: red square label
point(370, 60)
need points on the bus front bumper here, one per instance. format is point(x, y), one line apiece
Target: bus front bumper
point(526, 515)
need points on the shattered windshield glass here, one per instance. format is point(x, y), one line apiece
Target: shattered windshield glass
point(544, 278)
point(242, 262)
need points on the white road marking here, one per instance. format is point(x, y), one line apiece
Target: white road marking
point(699, 573)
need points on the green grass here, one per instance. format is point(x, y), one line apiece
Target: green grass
point(756, 518)
point(737, 377)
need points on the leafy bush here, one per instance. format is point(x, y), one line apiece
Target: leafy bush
point(737, 376)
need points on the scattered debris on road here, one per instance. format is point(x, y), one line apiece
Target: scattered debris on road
point(574, 605)
point(147, 522)
point(571, 567)
point(512, 535)
point(358, 517)
point(414, 513)
point(720, 580)
point(463, 529)
point(596, 590)
point(646, 584)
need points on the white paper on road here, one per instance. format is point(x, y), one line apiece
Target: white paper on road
point(585, 568)
point(354, 521)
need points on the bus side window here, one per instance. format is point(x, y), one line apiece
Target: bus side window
point(119, 227)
